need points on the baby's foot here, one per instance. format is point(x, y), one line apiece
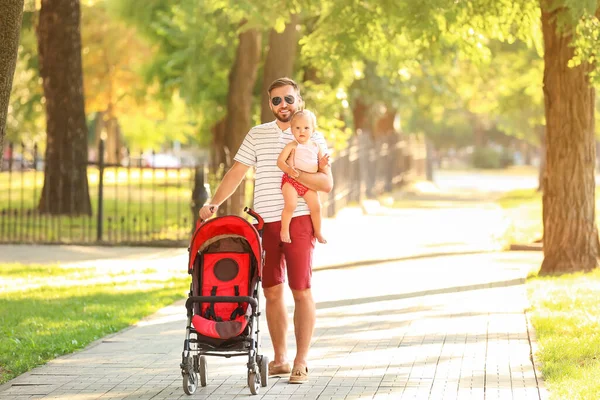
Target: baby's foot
point(320, 238)
point(285, 237)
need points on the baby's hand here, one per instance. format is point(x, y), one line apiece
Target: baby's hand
point(291, 159)
point(294, 173)
point(324, 161)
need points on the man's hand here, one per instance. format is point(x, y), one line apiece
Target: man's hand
point(324, 162)
point(207, 211)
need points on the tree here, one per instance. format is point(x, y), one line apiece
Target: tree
point(570, 32)
point(65, 188)
point(112, 52)
point(570, 233)
point(242, 78)
point(279, 61)
point(12, 16)
point(209, 64)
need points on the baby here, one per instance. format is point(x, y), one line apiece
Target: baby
point(307, 155)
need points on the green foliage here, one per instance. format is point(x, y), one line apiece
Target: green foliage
point(176, 123)
point(569, 12)
point(332, 115)
point(579, 19)
point(192, 57)
point(586, 42)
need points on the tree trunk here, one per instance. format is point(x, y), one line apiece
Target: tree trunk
point(279, 62)
point(113, 141)
point(478, 132)
point(65, 176)
point(10, 29)
point(218, 158)
point(542, 167)
point(570, 233)
point(311, 74)
point(363, 123)
point(384, 125)
point(242, 78)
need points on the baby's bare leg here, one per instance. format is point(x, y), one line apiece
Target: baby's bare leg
point(290, 200)
point(314, 205)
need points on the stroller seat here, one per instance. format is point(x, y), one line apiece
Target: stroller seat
point(224, 274)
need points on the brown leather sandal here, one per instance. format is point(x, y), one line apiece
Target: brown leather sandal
point(299, 374)
point(277, 370)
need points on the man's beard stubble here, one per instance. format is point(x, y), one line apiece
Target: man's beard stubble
point(288, 119)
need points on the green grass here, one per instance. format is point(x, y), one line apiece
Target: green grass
point(524, 209)
point(566, 317)
point(48, 311)
point(565, 310)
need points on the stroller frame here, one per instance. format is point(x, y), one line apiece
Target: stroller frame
point(196, 346)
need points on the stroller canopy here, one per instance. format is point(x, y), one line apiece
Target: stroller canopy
point(227, 226)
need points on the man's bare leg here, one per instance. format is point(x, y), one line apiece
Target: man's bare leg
point(304, 324)
point(277, 322)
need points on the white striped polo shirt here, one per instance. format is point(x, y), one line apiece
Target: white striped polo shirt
point(260, 149)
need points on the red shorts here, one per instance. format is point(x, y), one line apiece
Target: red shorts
point(296, 256)
point(300, 188)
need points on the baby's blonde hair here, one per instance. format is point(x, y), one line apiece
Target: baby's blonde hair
point(308, 114)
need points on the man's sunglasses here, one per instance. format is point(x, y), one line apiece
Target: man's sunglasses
point(288, 99)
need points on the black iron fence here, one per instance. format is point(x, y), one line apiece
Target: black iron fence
point(365, 169)
point(149, 199)
point(144, 199)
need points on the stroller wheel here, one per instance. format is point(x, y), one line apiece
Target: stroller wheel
point(203, 371)
point(253, 382)
point(263, 363)
point(190, 383)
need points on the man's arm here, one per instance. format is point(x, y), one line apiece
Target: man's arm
point(230, 182)
point(321, 181)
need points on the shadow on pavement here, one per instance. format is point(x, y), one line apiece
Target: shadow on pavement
point(430, 292)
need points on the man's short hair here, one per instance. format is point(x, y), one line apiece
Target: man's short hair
point(277, 83)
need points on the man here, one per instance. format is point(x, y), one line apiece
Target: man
point(260, 149)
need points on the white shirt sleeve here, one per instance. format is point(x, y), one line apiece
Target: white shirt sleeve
point(320, 140)
point(247, 151)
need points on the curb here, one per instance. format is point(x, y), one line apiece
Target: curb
point(526, 247)
point(535, 361)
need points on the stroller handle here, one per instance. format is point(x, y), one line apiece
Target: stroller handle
point(255, 215)
point(221, 299)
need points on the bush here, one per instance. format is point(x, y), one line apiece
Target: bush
point(489, 158)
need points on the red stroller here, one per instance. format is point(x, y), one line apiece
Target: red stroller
point(225, 262)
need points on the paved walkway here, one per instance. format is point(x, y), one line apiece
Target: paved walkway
point(429, 325)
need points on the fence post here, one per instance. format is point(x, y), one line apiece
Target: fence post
point(353, 160)
point(389, 164)
point(331, 209)
point(200, 192)
point(100, 190)
point(428, 160)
